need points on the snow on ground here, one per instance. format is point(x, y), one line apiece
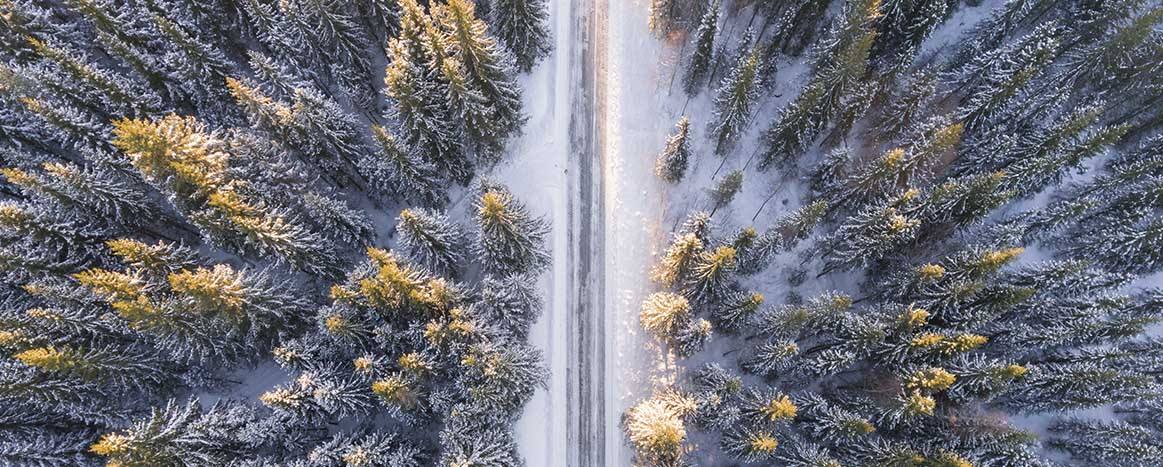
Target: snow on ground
point(536, 173)
point(637, 120)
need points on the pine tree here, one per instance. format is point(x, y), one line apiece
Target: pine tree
point(1106, 443)
point(711, 274)
point(965, 200)
point(120, 366)
point(338, 222)
point(656, 428)
point(190, 59)
point(513, 302)
point(400, 173)
point(489, 69)
point(726, 189)
point(420, 105)
point(431, 239)
point(871, 234)
point(247, 299)
point(1127, 245)
point(672, 163)
point(509, 239)
point(334, 30)
point(903, 28)
point(839, 72)
point(907, 105)
point(118, 94)
point(1005, 72)
point(1028, 176)
point(692, 338)
point(1057, 386)
point(737, 309)
point(1112, 56)
point(677, 261)
point(522, 26)
point(176, 434)
point(735, 99)
point(700, 61)
point(472, 438)
point(503, 379)
point(181, 157)
point(99, 190)
point(664, 314)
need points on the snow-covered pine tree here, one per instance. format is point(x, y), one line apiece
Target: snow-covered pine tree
point(400, 173)
point(509, 239)
point(903, 28)
point(672, 162)
point(908, 105)
point(839, 72)
point(489, 71)
point(1002, 74)
point(734, 102)
point(872, 233)
point(726, 189)
point(179, 156)
point(419, 98)
point(177, 433)
point(523, 26)
point(782, 236)
point(704, 50)
point(432, 239)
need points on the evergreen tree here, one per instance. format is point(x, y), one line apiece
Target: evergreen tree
point(99, 190)
point(678, 259)
point(726, 189)
point(734, 102)
point(177, 434)
point(509, 239)
point(664, 314)
point(421, 107)
point(700, 61)
point(711, 274)
point(675, 157)
point(1127, 245)
point(737, 309)
point(903, 28)
point(401, 173)
point(512, 301)
point(1004, 73)
point(907, 105)
point(1106, 443)
point(839, 72)
point(656, 428)
point(181, 157)
point(489, 70)
point(871, 234)
point(522, 26)
point(431, 239)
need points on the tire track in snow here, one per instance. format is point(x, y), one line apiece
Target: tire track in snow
point(586, 435)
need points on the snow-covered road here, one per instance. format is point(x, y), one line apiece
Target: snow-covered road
point(597, 117)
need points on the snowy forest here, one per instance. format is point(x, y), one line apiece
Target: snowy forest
point(966, 269)
point(193, 189)
point(659, 233)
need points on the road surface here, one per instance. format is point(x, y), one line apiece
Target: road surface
point(586, 158)
point(586, 434)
